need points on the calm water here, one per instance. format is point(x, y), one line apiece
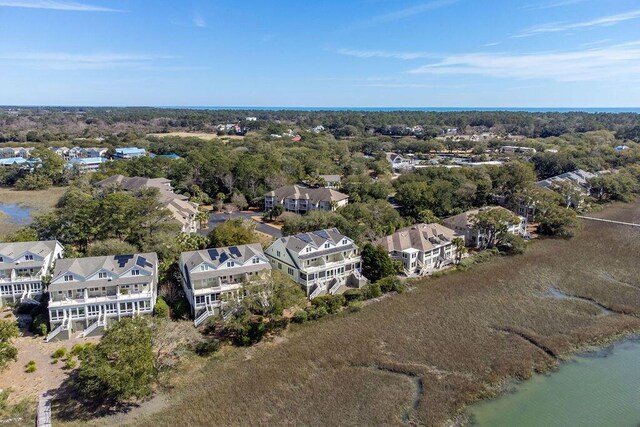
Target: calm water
point(16, 214)
point(600, 388)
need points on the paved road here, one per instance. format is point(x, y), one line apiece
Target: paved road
point(218, 218)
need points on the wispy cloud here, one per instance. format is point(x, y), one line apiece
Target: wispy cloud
point(199, 22)
point(620, 61)
point(491, 44)
point(72, 61)
point(404, 13)
point(605, 21)
point(553, 4)
point(55, 5)
point(407, 56)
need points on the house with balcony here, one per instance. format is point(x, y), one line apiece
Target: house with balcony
point(322, 262)
point(23, 265)
point(464, 225)
point(421, 248)
point(86, 295)
point(212, 278)
point(298, 199)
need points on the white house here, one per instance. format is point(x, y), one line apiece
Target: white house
point(463, 224)
point(399, 163)
point(129, 153)
point(295, 198)
point(422, 248)
point(212, 277)
point(323, 261)
point(22, 268)
point(87, 294)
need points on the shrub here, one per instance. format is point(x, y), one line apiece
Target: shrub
point(371, 291)
point(316, 313)
point(31, 366)
point(355, 306)
point(81, 351)
point(353, 295)
point(180, 309)
point(301, 316)
point(205, 348)
point(59, 353)
point(40, 325)
point(54, 361)
point(513, 245)
point(390, 284)
point(71, 363)
point(161, 309)
point(331, 303)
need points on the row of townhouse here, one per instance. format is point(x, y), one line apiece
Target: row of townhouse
point(299, 199)
point(85, 294)
point(13, 152)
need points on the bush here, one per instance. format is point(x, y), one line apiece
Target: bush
point(332, 303)
point(513, 245)
point(59, 353)
point(40, 325)
point(180, 309)
point(30, 367)
point(71, 363)
point(355, 306)
point(161, 309)
point(301, 316)
point(205, 348)
point(371, 291)
point(391, 284)
point(81, 351)
point(353, 295)
point(316, 313)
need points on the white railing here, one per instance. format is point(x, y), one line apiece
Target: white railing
point(205, 313)
point(66, 323)
point(95, 325)
point(336, 286)
point(317, 291)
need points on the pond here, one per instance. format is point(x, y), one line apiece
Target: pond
point(15, 214)
point(596, 388)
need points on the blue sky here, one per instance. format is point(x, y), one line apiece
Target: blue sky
point(340, 53)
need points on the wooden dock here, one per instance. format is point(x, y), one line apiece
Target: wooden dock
point(629, 224)
point(44, 411)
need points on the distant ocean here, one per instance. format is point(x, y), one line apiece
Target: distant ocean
point(422, 109)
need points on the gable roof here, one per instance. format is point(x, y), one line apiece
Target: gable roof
point(422, 237)
point(578, 177)
point(17, 249)
point(465, 220)
point(315, 195)
point(217, 256)
point(117, 264)
point(314, 238)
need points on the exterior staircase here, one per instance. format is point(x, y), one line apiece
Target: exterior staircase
point(26, 298)
point(316, 292)
point(64, 326)
point(334, 287)
point(202, 316)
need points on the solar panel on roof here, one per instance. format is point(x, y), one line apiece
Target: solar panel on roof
point(213, 254)
point(322, 234)
point(122, 260)
point(235, 251)
point(223, 257)
point(141, 262)
point(304, 237)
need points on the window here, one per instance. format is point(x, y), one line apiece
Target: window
point(278, 254)
point(290, 271)
point(200, 299)
point(135, 272)
point(279, 266)
point(203, 267)
point(102, 275)
point(1, 259)
point(344, 241)
point(256, 260)
point(327, 245)
point(230, 264)
point(68, 278)
point(28, 257)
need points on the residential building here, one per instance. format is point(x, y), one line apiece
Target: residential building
point(213, 277)
point(12, 161)
point(463, 224)
point(94, 152)
point(622, 148)
point(86, 164)
point(129, 153)
point(87, 294)
point(183, 211)
point(515, 149)
point(322, 262)
point(422, 248)
point(331, 181)
point(22, 268)
point(298, 199)
point(578, 178)
point(399, 163)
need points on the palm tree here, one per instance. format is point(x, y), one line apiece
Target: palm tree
point(203, 217)
point(461, 248)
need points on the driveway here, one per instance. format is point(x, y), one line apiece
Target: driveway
point(218, 218)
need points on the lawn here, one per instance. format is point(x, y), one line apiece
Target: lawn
point(421, 356)
point(38, 201)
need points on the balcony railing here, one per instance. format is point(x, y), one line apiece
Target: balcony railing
point(100, 299)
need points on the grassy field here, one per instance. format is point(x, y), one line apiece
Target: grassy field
point(206, 136)
point(422, 356)
point(38, 201)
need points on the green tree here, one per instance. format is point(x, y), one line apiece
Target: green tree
point(120, 368)
point(8, 332)
point(492, 226)
point(161, 309)
point(558, 221)
point(232, 233)
point(376, 263)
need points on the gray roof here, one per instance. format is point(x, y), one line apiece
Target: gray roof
point(331, 178)
point(116, 264)
point(578, 177)
point(17, 249)
point(314, 238)
point(217, 256)
point(423, 237)
point(315, 195)
point(465, 219)
point(137, 183)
